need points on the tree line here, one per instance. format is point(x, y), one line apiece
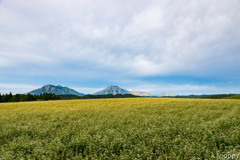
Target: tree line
point(89, 96)
point(204, 96)
point(27, 97)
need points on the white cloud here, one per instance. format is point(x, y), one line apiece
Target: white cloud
point(17, 88)
point(11, 60)
point(137, 38)
point(187, 89)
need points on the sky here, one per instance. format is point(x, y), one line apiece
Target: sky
point(157, 46)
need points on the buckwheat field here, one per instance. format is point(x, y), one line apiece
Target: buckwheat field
point(130, 128)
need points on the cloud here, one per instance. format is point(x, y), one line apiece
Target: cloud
point(187, 89)
point(115, 39)
point(16, 88)
point(159, 36)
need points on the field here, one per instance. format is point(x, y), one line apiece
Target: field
point(141, 128)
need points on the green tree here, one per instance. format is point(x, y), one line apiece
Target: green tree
point(16, 98)
point(29, 97)
point(45, 97)
point(5, 98)
point(10, 97)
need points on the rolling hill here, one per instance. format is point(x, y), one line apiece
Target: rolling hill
point(58, 90)
point(233, 97)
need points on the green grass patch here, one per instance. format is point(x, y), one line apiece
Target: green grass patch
point(234, 97)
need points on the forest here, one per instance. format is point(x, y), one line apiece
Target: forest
point(27, 97)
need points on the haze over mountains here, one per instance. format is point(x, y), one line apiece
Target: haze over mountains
point(59, 90)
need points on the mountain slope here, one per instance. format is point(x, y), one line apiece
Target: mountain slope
point(58, 90)
point(112, 90)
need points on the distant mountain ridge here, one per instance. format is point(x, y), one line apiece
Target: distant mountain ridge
point(163, 95)
point(112, 90)
point(117, 90)
point(139, 93)
point(58, 90)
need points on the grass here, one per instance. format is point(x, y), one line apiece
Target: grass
point(132, 128)
point(234, 97)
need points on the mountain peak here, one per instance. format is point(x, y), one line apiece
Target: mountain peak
point(58, 90)
point(112, 86)
point(112, 90)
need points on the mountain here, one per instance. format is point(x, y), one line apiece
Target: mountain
point(112, 90)
point(139, 93)
point(169, 95)
point(117, 90)
point(58, 90)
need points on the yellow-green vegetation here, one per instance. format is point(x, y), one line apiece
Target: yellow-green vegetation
point(234, 97)
point(141, 128)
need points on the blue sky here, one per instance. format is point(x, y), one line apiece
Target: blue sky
point(156, 46)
